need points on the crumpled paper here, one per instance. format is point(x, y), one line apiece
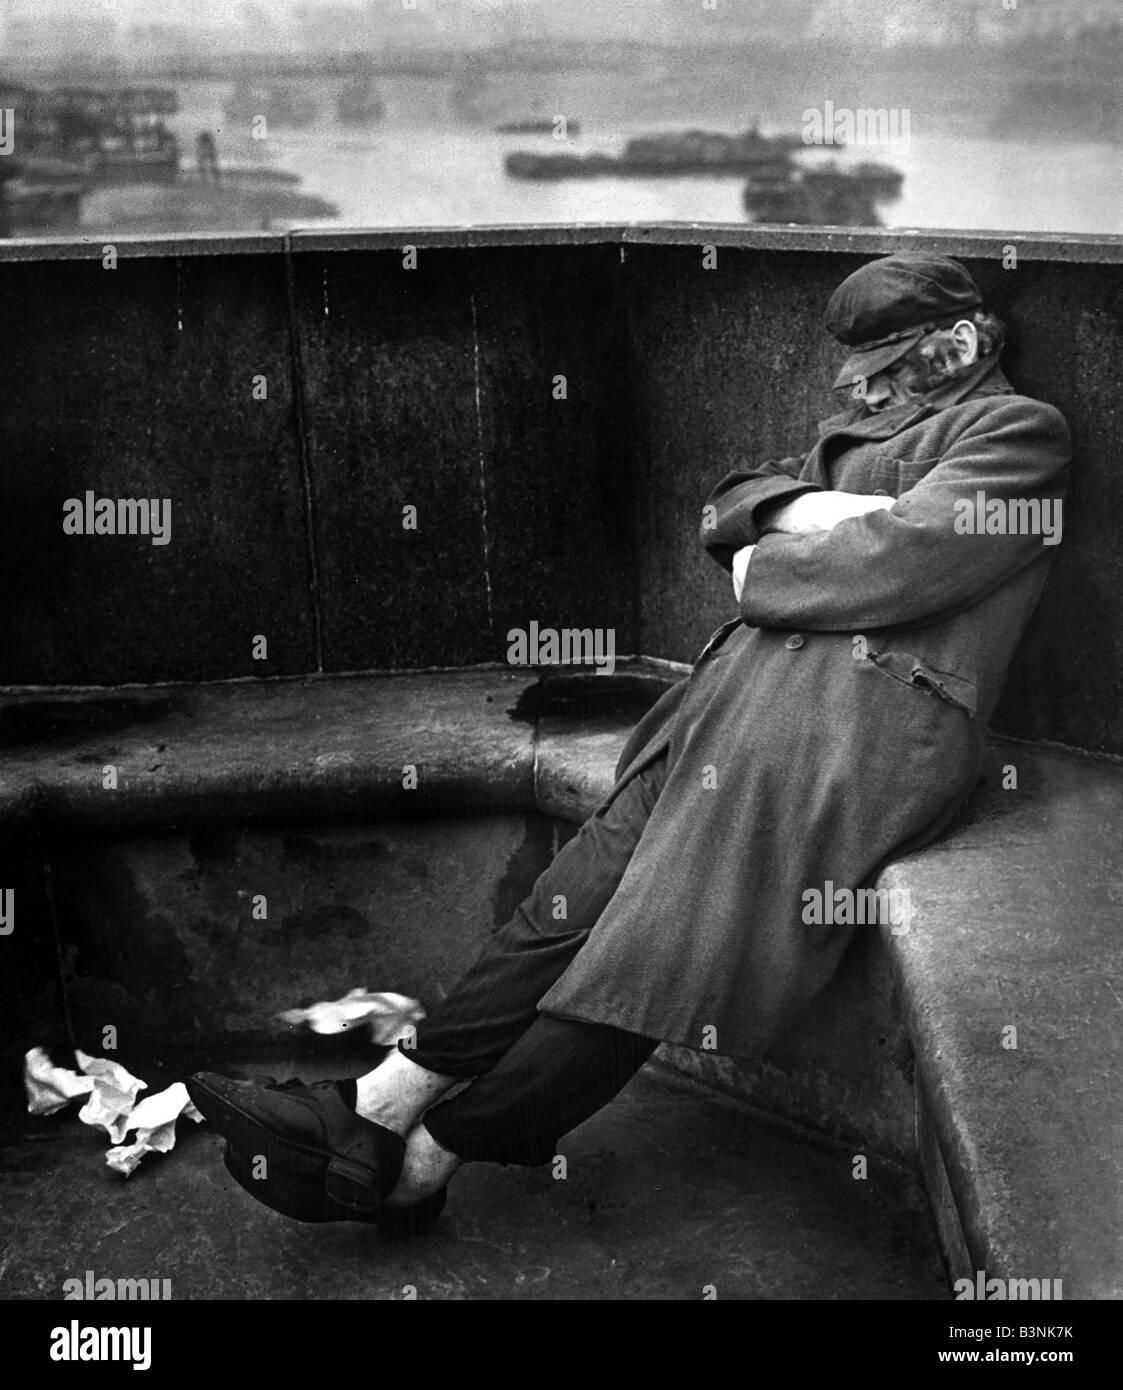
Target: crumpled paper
point(154, 1121)
point(111, 1089)
point(48, 1087)
point(389, 1016)
point(112, 1104)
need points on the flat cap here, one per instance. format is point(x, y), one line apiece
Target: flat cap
point(886, 306)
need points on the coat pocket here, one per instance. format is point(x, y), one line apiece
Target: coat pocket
point(716, 639)
point(916, 673)
point(905, 472)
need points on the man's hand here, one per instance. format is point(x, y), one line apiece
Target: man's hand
point(822, 511)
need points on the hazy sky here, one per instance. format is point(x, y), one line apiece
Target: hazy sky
point(490, 19)
point(590, 20)
point(211, 12)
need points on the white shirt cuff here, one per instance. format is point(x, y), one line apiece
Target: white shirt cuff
point(740, 568)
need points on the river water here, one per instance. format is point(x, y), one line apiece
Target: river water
point(424, 164)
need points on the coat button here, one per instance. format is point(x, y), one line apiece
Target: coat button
point(794, 642)
point(881, 492)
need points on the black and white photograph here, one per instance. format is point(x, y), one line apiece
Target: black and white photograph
point(560, 671)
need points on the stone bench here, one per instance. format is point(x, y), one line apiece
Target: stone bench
point(1015, 920)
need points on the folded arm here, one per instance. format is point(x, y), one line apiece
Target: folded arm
point(916, 559)
point(734, 513)
point(806, 515)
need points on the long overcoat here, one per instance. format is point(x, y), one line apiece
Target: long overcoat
point(837, 723)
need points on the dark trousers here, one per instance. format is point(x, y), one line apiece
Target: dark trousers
point(537, 1076)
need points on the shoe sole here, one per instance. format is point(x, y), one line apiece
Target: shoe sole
point(302, 1199)
point(345, 1182)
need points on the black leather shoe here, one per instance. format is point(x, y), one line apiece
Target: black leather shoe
point(306, 1134)
point(304, 1199)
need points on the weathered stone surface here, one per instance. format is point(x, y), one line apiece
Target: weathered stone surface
point(433, 387)
point(1016, 925)
point(666, 1191)
point(238, 753)
point(140, 383)
point(574, 768)
point(164, 937)
point(32, 1012)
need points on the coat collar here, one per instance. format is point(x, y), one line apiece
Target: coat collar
point(985, 378)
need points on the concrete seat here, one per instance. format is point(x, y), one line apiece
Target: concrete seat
point(332, 747)
point(258, 751)
point(1011, 979)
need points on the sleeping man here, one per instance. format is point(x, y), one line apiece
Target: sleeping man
point(835, 723)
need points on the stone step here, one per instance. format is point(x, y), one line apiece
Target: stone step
point(1011, 981)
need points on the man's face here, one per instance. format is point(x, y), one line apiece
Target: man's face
point(925, 368)
point(894, 386)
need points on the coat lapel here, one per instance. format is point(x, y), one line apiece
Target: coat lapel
point(863, 426)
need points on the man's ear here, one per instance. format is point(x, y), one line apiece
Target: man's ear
point(966, 338)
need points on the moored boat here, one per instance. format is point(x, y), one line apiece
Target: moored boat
point(674, 154)
point(824, 195)
point(538, 125)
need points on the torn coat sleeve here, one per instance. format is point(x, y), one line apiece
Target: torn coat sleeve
point(732, 515)
point(911, 563)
